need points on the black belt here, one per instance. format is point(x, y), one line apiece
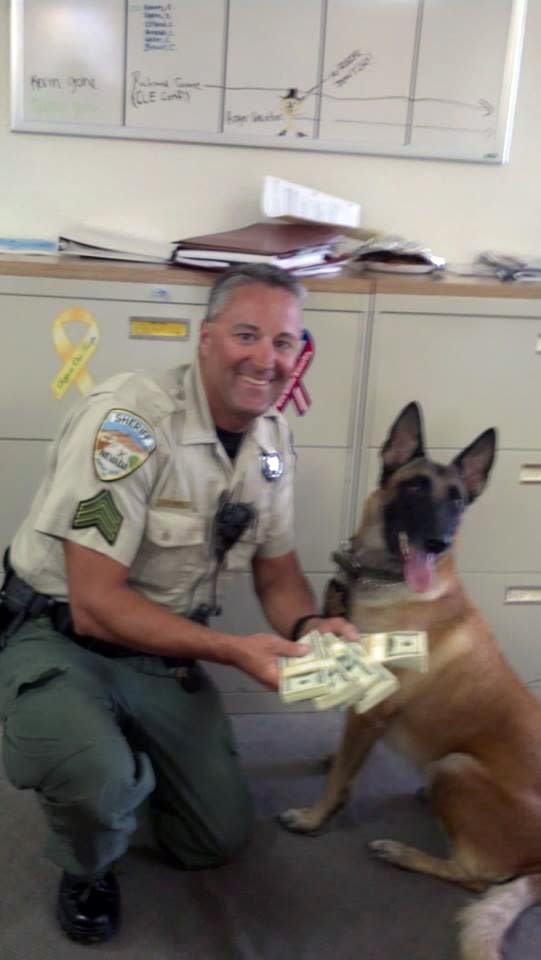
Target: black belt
point(187, 669)
point(21, 602)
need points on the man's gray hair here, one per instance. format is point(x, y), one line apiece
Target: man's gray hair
point(245, 274)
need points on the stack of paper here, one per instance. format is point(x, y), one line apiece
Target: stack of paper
point(83, 240)
point(21, 246)
point(295, 247)
point(281, 198)
point(336, 673)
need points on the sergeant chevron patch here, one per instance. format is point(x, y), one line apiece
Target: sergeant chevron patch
point(100, 512)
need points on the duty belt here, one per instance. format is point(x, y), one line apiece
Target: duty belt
point(20, 602)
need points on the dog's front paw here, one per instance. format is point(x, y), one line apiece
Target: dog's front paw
point(299, 820)
point(390, 850)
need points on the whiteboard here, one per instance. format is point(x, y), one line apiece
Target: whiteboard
point(419, 78)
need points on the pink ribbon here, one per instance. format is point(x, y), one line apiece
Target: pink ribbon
point(295, 389)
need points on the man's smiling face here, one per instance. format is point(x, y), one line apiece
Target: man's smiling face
point(248, 351)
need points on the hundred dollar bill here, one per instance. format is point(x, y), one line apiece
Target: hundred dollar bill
point(360, 672)
point(333, 644)
point(348, 653)
point(303, 687)
point(367, 679)
point(385, 684)
point(317, 659)
point(405, 649)
point(338, 690)
point(350, 679)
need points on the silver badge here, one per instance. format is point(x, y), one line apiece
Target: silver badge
point(272, 466)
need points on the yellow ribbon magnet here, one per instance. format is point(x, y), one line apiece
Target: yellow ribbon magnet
point(74, 356)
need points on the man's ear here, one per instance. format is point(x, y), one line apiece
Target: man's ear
point(475, 463)
point(204, 334)
point(404, 442)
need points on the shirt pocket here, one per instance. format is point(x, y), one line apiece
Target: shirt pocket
point(174, 550)
point(238, 558)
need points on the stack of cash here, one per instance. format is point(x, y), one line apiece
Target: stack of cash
point(337, 673)
point(406, 649)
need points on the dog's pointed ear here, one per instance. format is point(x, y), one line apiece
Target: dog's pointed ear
point(475, 463)
point(404, 442)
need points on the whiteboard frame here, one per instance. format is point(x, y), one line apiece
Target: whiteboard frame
point(502, 140)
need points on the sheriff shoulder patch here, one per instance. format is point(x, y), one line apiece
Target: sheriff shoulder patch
point(123, 443)
point(101, 512)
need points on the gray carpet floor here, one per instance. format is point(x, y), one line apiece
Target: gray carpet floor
point(288, 898)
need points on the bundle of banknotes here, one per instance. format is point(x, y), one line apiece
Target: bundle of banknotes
point(338, 673)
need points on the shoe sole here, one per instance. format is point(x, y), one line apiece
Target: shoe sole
point(83, 936)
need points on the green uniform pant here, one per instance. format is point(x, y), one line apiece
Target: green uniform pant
point(95, 736)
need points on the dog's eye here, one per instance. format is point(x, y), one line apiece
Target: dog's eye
point(454, 496)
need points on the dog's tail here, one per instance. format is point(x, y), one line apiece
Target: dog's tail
point(485, 923)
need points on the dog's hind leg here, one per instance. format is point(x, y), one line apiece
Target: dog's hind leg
point(475, 814)
point(409, 858)
point(359, 736)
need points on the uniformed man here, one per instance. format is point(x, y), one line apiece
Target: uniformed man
point(158, 488)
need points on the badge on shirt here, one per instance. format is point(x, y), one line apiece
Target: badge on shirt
point(123, 443)
point(272, 466)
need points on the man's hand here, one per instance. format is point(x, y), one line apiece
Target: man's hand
point(338, 625)
point(257, 655)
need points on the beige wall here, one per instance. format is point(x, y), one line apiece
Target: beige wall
point(175, 189)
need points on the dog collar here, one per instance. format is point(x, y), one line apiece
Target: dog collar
point(356, 571)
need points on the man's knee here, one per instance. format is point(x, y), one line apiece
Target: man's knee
point(233, 835)
point(103, 779)
point(106, 781)
point(219, 840)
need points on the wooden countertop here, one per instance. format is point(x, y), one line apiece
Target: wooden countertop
point(84, 268)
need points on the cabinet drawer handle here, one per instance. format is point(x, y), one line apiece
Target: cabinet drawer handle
point(530, 473)
point(523, 595)
point(538, 343)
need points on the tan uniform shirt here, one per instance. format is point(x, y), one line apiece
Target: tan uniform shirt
point(157, 519)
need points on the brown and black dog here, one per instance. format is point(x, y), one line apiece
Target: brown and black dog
point(468, 722)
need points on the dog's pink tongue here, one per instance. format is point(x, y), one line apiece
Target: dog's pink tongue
point(419, 570)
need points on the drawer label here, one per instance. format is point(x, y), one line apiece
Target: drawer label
point(154, 328)
point(523, 595)
point(530, 473)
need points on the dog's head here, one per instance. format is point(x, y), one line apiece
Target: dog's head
point(411, 519)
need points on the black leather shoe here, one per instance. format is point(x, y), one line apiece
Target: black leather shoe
point(89, 910)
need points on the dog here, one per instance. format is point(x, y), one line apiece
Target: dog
point(468, 722)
